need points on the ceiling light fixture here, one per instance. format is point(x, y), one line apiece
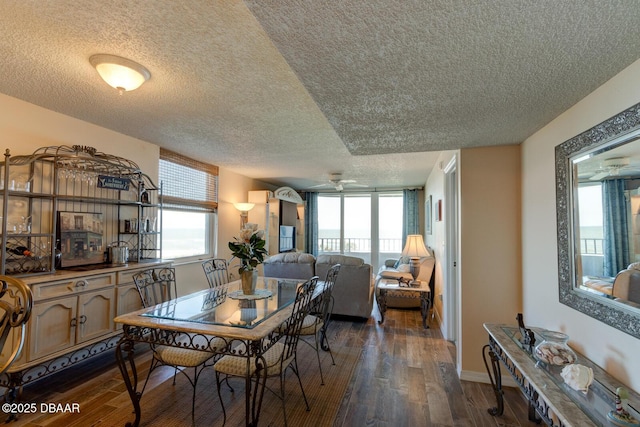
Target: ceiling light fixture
point(120, 73)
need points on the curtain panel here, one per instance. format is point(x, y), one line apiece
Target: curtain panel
point(616, 226)
point(410, 214)
point(311, 223)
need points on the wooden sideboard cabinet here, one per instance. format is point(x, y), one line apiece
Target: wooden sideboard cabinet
point(72, 318)
point(70, 312)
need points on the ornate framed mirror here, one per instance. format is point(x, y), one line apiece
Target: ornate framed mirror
point(598, 219)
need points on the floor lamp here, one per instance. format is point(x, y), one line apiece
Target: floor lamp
point(415, 250)
point(244, 209)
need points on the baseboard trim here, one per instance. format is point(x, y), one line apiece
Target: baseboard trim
point(482, 377)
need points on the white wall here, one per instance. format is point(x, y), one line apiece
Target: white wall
point(25, 127)
point(615, 351)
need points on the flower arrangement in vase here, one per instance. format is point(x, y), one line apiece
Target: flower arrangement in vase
point(249, 248)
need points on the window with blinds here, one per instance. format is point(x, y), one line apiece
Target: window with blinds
point(190, 202)
point(187, 182)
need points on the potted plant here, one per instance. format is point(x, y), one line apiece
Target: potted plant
point(249, 248)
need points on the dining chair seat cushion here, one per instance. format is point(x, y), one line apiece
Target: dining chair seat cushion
point(178, 356)
point(310, 325)
point(237, 365)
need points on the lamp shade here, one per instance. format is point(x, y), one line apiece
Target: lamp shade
point(244, 207)
point(120, 73)
point(415, 248)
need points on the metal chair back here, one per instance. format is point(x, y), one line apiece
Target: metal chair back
point(216, 271)
point(156, 285)
point(16, 302)
point(326, 299)
point(292, 326)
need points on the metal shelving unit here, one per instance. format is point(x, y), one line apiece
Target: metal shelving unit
point(35, 188)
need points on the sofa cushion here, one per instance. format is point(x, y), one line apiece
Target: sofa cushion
point(339, 259)
point(297, 257)
point(290, 265)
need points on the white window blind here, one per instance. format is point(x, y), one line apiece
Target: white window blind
point(188, 183)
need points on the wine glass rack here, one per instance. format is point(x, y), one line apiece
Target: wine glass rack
point(35, 188)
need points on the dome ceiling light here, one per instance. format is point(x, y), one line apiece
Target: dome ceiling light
point(120, 73)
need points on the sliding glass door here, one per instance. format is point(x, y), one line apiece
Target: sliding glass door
point(364, 225)
point(357, 226)
point(389, 226)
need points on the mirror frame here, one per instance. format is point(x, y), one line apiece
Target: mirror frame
point(619, 129)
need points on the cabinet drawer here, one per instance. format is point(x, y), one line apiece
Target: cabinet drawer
point(71, 286)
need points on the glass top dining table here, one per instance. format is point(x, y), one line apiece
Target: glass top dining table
point(248, 324)
point(228, 305)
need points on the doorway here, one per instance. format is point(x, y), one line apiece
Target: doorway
point(451, 267)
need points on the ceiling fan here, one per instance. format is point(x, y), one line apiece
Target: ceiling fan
point(613, 167)
point(336, 181)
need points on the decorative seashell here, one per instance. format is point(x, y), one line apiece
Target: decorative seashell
point(578, 377)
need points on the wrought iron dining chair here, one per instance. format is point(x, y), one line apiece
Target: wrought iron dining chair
point(277, 358)
point(16, 302)
point(316, 322)
point(216, 271)
point(159, 285)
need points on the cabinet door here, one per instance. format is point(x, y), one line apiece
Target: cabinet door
point(52, 326)
point(96, 311)
point(128, 299)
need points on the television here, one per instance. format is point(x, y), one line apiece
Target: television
point(287, 238)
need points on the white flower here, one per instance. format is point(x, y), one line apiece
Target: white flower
point(245, 234)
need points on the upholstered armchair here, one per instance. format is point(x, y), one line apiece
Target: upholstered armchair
point(399, 269)
point(626, 285)
point(353, 290)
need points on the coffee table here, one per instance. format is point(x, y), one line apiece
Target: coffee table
point(392, 287)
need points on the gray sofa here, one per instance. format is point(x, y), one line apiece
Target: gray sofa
point(353, 290)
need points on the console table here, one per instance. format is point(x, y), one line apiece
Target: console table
point(549, 397)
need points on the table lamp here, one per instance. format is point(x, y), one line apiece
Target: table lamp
point(415, 250)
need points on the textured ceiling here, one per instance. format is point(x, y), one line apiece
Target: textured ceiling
point(292, 91)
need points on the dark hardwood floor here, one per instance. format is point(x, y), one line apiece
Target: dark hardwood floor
point(406, 376)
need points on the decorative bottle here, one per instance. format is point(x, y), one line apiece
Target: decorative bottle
point(18, 250)
point(144, 194)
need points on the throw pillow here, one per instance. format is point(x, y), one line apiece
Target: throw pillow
point(404, 268)
point(400, 261)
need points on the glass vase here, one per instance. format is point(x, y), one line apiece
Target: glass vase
point(554, 350)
